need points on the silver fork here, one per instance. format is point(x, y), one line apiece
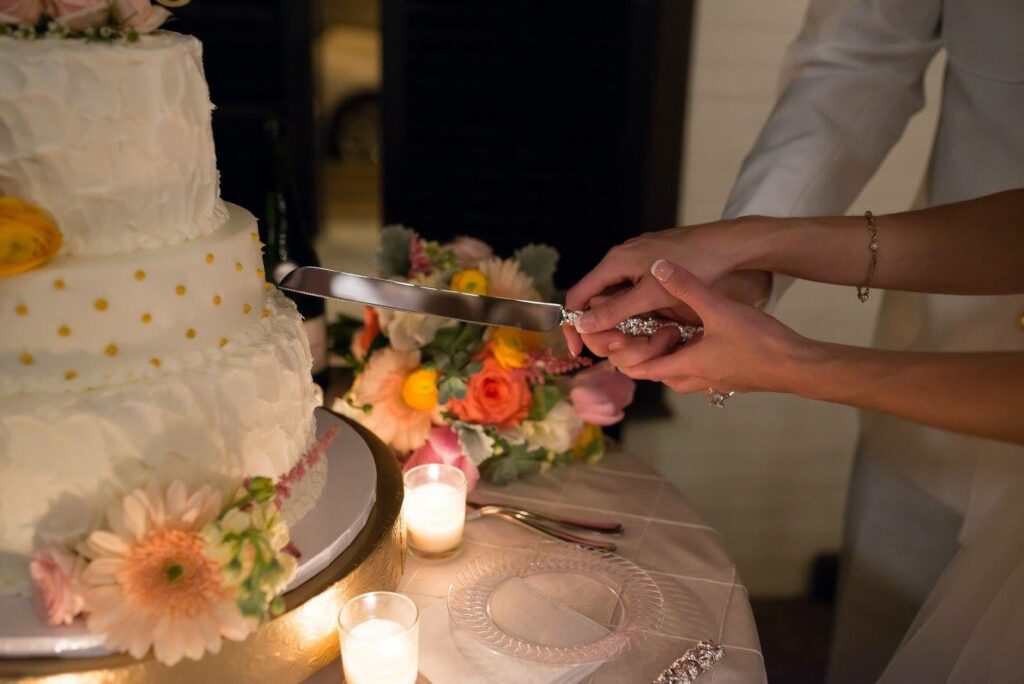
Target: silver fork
point(537, 525)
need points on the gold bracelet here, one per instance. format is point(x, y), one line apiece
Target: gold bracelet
point(863, 291)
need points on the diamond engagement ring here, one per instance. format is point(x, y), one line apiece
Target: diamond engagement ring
point(716, 398)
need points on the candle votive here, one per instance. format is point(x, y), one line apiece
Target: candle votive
point(379, 634)
point(434, 510)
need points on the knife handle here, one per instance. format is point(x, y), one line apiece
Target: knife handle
point(641, 326)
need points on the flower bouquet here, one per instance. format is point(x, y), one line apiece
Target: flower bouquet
point(496, 402)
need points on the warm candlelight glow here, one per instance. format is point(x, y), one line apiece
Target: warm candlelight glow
point(435, 509)
point(379, 635)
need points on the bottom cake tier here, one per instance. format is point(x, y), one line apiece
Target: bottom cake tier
point(246, 411)
point(303, 639)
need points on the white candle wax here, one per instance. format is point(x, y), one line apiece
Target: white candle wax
point(435, 514)
point(380, 652)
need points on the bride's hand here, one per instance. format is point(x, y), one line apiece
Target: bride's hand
point(741, 349)
point(712, 251)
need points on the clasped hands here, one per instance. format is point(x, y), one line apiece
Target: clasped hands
point(691, 275)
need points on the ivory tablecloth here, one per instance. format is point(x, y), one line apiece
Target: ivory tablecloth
point(703, 595)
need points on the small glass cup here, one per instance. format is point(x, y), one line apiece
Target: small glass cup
point(379, 634)
point(434, 510)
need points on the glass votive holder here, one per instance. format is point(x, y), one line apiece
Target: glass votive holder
point(379, 634)
point(434, 510)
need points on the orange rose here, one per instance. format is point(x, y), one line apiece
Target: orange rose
point(495, 396)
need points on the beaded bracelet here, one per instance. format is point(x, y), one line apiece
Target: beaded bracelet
point(863, 291)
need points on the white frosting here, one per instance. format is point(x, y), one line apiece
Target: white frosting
point(112, 139)
point(81, 322)
point(249, 411)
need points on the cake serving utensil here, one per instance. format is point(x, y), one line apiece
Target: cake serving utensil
point(612, 528)
point(471, 308)
point(538, 526)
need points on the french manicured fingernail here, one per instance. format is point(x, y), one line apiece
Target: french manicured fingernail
point(586, 323)
point(615, 346)
point(662, 270)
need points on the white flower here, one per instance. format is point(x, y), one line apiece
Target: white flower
point(411, 331)
point(557, 431)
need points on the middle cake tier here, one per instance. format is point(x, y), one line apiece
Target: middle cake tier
point(83, 322)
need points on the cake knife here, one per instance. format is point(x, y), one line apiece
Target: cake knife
point(471, 308)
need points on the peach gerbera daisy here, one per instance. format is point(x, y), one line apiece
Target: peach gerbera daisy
point(380, 387)
point(151, 583)
point(504, 279)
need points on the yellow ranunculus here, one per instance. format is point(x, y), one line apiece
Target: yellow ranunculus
point(584, 446)
point(512, 347)
point(470, 280)
point(419, 391)
point(28, 236)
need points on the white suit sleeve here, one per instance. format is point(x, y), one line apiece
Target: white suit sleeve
point(849, 85)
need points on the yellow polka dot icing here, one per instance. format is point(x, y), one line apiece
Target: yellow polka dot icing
point(70, 375)
point(180, 290)
point(210, 258)
point(154, 362)
point(265, 313)
point(110, 350)
point(217, 300)
point(146, 318)
point(239, 267)
point(140, 275)
point(101, 304)
point(26, 359)
point(21, 310)
point(223, 341)
point(64, 331)
point(246, 308)
point(59, 284)
point(190, 333)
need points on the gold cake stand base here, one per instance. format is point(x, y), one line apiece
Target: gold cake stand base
point(287, 649)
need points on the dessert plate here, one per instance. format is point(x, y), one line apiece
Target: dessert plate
point(338, 516)
point(555, 603)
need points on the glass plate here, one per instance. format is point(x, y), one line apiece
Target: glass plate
point(555, 603)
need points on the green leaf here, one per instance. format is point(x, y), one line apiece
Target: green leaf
point(539, 262)
point(473, 367)
point(544, 399)
point(450, 387)
point(393, 259)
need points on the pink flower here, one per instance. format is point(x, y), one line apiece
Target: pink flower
point(140, 15)
point(55, 574)
point(470, 251)
point(78, 15)
point(419, 262)
point(22, 12)
point(442, 446)
point(376, 400)
point(600, 393)
point(152, 582)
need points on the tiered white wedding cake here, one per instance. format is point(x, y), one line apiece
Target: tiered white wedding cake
point(150, 347)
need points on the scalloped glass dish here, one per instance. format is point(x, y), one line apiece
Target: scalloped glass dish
point(554, 603)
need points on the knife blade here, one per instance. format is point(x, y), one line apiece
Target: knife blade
point(462, 306)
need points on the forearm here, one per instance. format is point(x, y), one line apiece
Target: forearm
point(972, 247)
point(980, 394)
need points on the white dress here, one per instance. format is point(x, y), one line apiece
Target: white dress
point(852, 79)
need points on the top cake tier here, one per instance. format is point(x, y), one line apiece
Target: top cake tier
point(112, 139)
